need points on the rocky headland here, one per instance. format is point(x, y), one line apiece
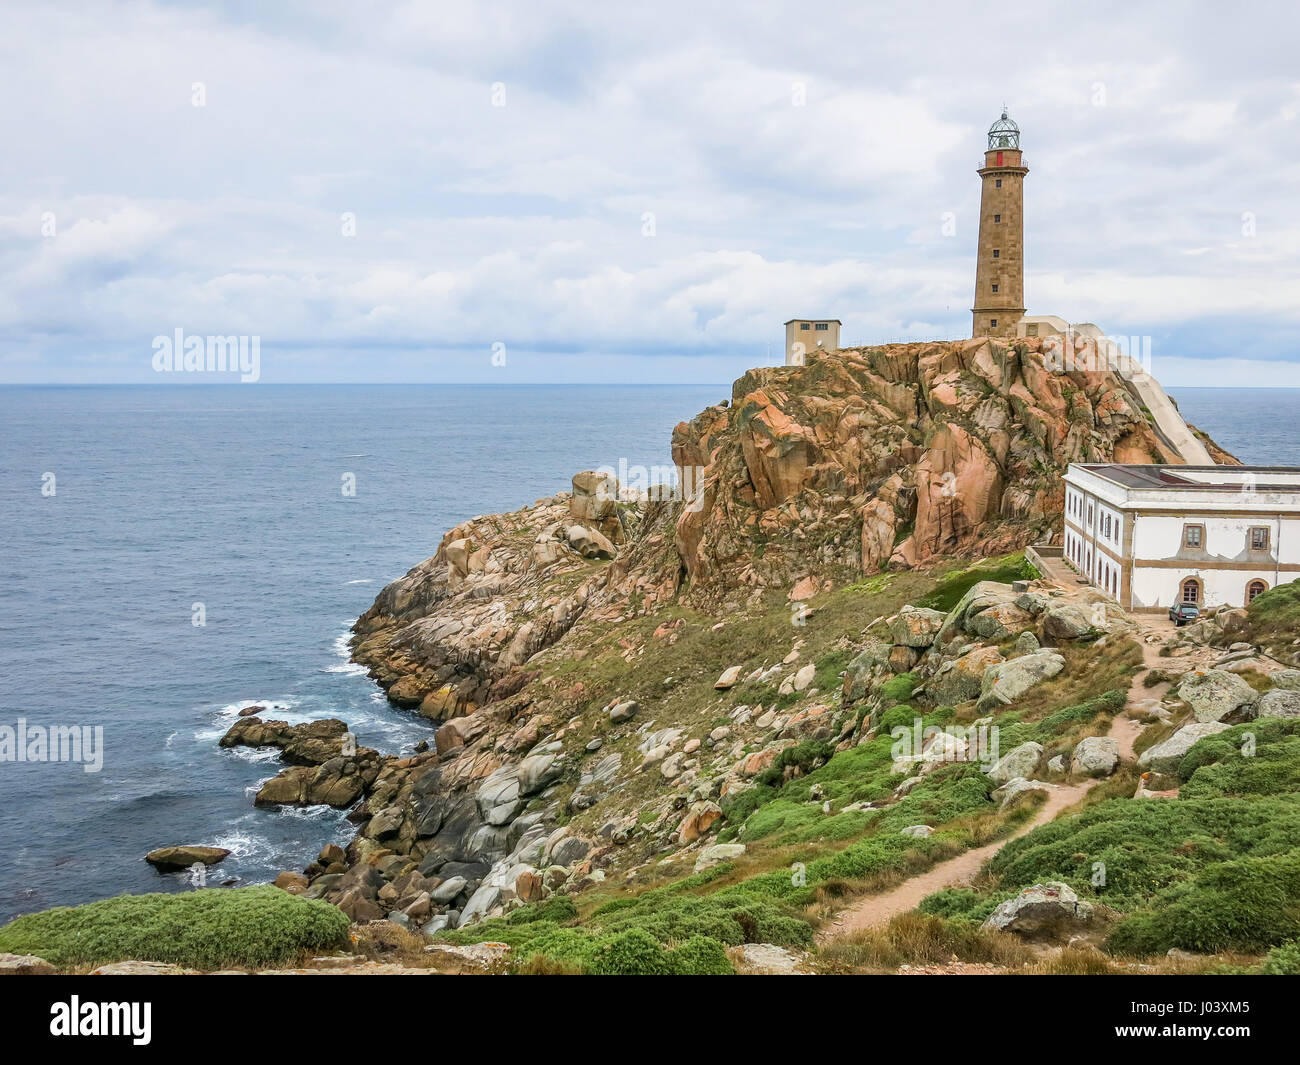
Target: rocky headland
point(814, 711)
point(573, 744)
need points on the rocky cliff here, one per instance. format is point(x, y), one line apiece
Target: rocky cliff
point(580, 654)
point(895, 455)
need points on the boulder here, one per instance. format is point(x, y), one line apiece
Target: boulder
point(730, 676)
point(1008, 681)
point(1217, 695)
point(1071, 621)
point(1012, 789)
point(719, 852)
point(698, 820)
point(595, 496)
point(959, 679)
point(804, 677)
point(1165, 756)
point(498, 797)
point(24, 965)
point(171, 859)
point(538, 771)
point(1280, 702)
point(1287, 679)
point(999, 622)
point(1018, 762)
point(293, 883)
point(1027, 643)
point(589, 543)
point(1044, 908)
point(915, 626)
point(916, 831)
point(866, 665)
point(448, 891)
point(624, 711)
point(1095, 756)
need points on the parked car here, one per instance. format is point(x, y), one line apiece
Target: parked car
point(1184, 613)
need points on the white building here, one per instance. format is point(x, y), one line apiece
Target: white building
point(1151, 536)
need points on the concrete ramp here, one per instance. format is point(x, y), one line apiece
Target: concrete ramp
point(1169, 423)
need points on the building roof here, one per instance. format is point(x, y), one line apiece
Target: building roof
point(1195, 478)
point(835, 320)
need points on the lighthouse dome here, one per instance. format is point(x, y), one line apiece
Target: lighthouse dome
point(1004, 133)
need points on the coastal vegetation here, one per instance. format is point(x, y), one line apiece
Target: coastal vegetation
point(214, 928)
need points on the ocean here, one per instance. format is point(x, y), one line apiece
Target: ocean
point(233, 497)
point(228, 505)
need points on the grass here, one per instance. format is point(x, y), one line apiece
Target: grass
point(1274, 615)
point(1217, 870)
point(919, 939)
point(1007, 568)
point(215, 928)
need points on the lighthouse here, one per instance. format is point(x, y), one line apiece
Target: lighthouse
point(1000, 261)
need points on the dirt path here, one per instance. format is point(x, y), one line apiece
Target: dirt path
point(876, 910)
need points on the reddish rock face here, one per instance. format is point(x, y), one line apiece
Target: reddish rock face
point(891, 456)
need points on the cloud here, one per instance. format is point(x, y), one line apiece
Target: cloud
point(788, 161)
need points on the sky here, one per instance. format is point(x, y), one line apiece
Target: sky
point(625, 193)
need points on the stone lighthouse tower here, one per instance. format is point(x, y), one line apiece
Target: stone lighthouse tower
point(1000, 262)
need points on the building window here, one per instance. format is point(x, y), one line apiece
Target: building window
point(822, 325)
point(804, 325)
point(1193, 535)
point(1089, 515)
point(1259, 538)
point(1191, 590)
point(997, 183)
point(993, 322)
point(1254, 588)
point(995, 286)
point(997, 218)
point(997, 253)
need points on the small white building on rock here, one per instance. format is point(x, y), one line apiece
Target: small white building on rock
point(803, 336)
point(1152, 536)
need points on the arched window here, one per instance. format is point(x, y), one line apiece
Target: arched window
point(1191, 590)
point(1253, 588)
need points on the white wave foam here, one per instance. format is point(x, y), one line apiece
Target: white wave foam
point(306, 813)
point(245, 845)
point(364, 580)
point(254, 755)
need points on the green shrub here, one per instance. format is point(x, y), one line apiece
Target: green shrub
point(1283, 960)
point(1216, 765)
point(1147, 847)
point(1274, 613)
point(1004, 570)
point(898, 689)
point(960, 904)
point(1059, 721)
point(215, 928)
point(1241, 905)
point(700, 956)
point(805, 756)
point(631, 953)
point(901, 716)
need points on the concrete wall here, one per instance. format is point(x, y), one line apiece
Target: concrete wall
point(799, 341)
